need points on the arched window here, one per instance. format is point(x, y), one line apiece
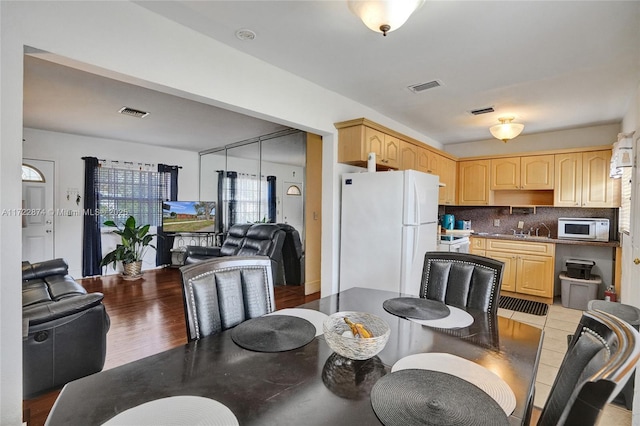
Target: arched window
point(294, 190)
point(31, 174)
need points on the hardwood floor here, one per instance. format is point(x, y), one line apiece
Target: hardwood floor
point(147, 317)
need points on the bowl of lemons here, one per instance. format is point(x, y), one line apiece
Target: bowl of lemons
point(356, 335)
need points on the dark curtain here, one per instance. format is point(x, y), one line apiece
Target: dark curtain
point(91, 243)
point(164, 242)
point(232, 176)
point(271, 198)
point(220, 202)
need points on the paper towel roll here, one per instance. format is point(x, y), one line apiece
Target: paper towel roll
point(371, 162)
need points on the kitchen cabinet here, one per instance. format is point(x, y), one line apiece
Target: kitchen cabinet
point(582, 180)
point(473, 183)
point(408, 156)
point(447, 171)
point(529, 173)
point(356, 142)
point(477, 246)
point(428, 161)
point(529, 266)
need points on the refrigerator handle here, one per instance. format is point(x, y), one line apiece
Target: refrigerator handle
point(415, 220)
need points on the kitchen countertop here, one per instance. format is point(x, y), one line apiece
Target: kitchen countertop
point(512, 237)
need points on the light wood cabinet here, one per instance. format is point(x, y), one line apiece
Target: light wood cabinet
point(428, 161)
point(529, 266)
point(356, 142)
point(529, 173)
point(408, 156)
point(477, 246)
point(473, 183)
point(447, 171)
point(582, 180)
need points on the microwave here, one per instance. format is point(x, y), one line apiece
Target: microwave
point(588, 229)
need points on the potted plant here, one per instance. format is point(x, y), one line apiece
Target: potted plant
point(135, 240)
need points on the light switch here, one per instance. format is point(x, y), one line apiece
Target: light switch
point(496, 222)
point(520, 224)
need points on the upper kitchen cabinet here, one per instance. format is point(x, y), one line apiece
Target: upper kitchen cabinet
point(582, 180)
point(473, 183)
point(447, 171)
point(409, 156)
point(356, 142)
point(428, 161)
point(524, 173)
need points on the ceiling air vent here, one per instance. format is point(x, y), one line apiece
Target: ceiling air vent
point(482, 111)
point(417, 88)
point(133, 112)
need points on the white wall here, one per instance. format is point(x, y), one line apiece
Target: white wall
point(67, 151)
point(605, 134)
point(168, 57)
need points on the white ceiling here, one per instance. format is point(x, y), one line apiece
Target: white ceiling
point(552, 64)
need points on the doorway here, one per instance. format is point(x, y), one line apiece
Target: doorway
point(37, 210)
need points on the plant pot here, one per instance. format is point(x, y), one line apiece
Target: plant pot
point(132, 271)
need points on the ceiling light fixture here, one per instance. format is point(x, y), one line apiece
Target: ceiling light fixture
point(384, 15)
point(506, 130)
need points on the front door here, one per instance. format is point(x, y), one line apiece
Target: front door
point(293, 206)
point(37, 213)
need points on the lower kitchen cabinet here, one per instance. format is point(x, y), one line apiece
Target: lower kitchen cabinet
point(528, 266)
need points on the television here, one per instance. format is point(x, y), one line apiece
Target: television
point(187, 217)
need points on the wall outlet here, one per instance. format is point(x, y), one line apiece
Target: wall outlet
point(520, 224)
point(496, 222)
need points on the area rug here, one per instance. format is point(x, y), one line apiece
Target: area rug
point(521, 305)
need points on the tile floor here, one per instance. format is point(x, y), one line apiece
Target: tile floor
point(559, 322)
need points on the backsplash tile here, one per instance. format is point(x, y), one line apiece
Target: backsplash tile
point(482, 218)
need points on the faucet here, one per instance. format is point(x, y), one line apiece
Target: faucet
point(548, 230)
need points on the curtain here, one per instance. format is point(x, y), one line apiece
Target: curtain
point(271, 198)
point(91, 243)
point(220, 202)
point(232, 177)
point(169, 182)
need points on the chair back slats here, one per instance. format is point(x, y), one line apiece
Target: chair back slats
point(223, 292)
point(603, 353)
point(462, 279)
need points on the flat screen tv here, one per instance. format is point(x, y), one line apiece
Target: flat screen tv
point(182, 217)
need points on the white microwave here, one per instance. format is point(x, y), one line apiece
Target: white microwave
point(588, 229)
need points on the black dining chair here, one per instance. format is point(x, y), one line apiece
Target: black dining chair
point(603, 354)
point(462, 279)
point(220, 293)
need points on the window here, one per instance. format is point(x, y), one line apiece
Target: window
point(248, 196)
point(131, 192)
point(294, 190)
point(31, 174)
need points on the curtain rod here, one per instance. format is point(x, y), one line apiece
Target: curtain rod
point(130, 162)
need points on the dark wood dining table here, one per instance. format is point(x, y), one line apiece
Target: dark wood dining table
point(305, 386)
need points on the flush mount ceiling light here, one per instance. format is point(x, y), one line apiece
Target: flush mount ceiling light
point(245, 35)
point(506, 130)
point(384, 16)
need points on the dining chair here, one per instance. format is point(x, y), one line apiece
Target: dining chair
point(462, 279)
point(602, 356)
point(220, 293)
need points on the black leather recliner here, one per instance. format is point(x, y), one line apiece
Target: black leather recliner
point(258, 239)
point(292, 256)
point(64, 328)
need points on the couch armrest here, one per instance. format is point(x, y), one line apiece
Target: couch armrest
point(31, 271)
point(202, 251)
point(43, 312)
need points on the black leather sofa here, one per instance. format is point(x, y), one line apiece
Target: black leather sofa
point(259, 239)
point(292, 256)
point(64, 328)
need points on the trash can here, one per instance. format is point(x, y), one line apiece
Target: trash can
point(576, 292)
point(631, 315)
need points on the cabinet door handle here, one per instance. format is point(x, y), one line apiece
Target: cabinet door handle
point(636, 261)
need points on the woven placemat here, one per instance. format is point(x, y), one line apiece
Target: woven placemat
point(316, 318)
point(424, 397)
point(416, 308)
point(273, 333)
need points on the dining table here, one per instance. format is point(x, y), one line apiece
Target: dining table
point(310, 385)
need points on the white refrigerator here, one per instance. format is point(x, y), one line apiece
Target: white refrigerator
point(388, 223)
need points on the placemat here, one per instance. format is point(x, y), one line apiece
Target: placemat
point(457, 318)
point(273, 333)
point(467, 370)
point(416, 308)
point(425, 397)
point(314, 317)
point(176, 410)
